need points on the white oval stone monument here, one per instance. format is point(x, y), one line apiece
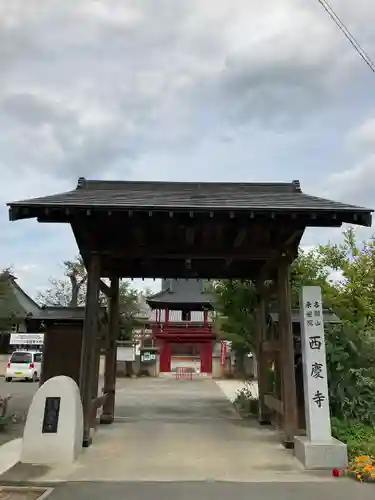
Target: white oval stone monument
point(54, 426)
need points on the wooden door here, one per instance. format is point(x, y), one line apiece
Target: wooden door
point(206, 357)
point(165, 357)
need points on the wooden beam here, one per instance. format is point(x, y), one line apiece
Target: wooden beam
point(287, 353)
point(199, 254)
point(262, 362)
point(96, 404)
point(240, 238)
point(190, 235)
point(110, 355)
point(271, 346)
point(89, 334)
point(284, 249)
point(97, 349)
point(104, 288)
point(274, 404)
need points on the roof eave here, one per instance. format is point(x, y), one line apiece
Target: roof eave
point(26, 210)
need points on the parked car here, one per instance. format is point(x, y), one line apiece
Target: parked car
point(24, 365)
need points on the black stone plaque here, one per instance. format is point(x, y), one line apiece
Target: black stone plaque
point(51, 415)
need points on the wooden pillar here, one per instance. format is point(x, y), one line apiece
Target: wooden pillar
point(287, 353)
point(205, 318)
point(45, 353)
point(261, 356)
point(108, 414)
point(166, 320)
point(89, 334)
point(95, 378)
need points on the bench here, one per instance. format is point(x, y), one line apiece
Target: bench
point(5, 418)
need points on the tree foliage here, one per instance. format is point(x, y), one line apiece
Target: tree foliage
point(346, 274)
point(71, 291)
point(6, 313)
point(67, 291)
point(236, 302)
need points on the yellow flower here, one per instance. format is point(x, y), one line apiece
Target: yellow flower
point(362, 457)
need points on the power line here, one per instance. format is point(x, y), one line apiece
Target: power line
point(370, 63)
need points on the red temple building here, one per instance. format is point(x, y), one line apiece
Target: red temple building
point(181, 323)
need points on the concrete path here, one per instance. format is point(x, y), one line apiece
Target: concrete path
point(10, 454)
point(172, 430)
point(214, 491)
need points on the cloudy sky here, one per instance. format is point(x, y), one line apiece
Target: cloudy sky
point(178, 90)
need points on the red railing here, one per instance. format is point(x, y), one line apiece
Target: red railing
point(184, 373)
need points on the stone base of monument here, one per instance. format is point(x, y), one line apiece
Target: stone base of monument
point(320, 455)
point(54, 425)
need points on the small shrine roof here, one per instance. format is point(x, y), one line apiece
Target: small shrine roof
point(180, 293)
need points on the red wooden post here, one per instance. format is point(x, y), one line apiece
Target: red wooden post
point(166, 316)
point(205, 317)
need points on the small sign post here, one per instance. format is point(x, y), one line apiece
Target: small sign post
point(318, 424)
point(223, 353)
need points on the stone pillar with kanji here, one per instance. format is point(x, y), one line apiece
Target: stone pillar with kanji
point(318, 449)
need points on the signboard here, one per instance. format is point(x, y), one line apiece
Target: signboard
point(125, 353)
point(318, 423)
point(51, 415)
point(223, 353)
point(26, 339)
point(148, 356)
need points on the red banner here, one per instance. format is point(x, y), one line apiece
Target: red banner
point(223, 353)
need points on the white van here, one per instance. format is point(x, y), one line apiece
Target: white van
point(25, 365)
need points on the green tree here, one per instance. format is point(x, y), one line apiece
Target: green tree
point(128, 298)
point(6, 313)
point(350, 345)
point(235, 303)
point(236, 300)
point(310, 269)
point(353, 295)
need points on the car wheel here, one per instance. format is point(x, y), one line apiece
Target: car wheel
point(8, 379)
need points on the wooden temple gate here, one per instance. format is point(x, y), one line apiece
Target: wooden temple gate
point(188, 230)
point(278, 352)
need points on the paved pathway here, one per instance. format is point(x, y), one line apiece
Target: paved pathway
point(183, 439)
point(172, 430)
point(345, 490)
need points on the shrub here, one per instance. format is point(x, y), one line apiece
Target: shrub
point(360, 438)
point(351, 374)
point(247, 400)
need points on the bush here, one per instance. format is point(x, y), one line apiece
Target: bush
point(351, 374)
point(353, 397)
point(360, 438)
point(247, 400)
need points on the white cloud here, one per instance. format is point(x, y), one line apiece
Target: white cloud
point(97, 83)
point(363, 136)
point(213, 90)
point(356, 183)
